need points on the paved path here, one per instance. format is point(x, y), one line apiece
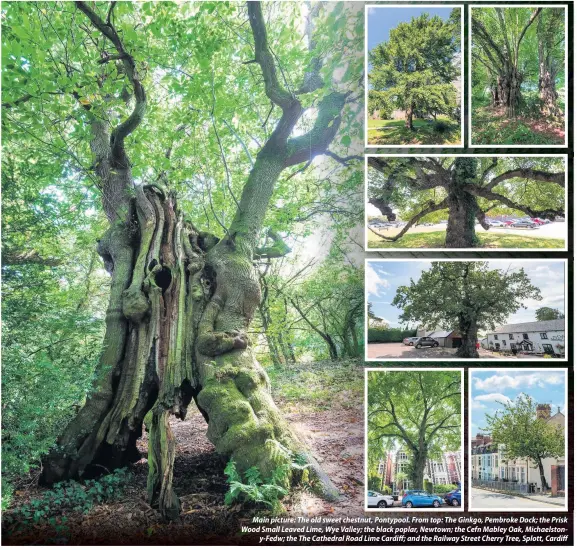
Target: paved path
point(488, 499)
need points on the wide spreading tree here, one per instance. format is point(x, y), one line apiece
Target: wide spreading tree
point(467, 189)
point(548, 314)
point(417, 411)
point(144, 102)
point(415, 68)
point(466, 297)
point(524, 433)
point(512, 46)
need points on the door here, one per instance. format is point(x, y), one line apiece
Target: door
point(561, 478)
point(548, 348)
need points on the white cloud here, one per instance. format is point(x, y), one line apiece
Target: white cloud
point(516, 381)
point(477, 405)
point(373, 281)
point(497, 397)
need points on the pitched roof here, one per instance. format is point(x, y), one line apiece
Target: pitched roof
point(440, 334)
point(535, 326)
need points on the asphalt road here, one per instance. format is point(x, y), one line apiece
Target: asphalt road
point(487, 499)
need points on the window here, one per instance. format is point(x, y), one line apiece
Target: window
point(543, 336)
point(496, 337)
point(504, 342)
point(525, 336)
point(511, 337)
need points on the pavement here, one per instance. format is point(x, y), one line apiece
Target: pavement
point(399, 350)
point(481, 498)
point(554, 230)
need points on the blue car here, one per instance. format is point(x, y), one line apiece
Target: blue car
point(453, 497)
point(416, 498)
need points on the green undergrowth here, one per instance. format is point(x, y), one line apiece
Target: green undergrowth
point(436, 239)
point(318, 386)
point(51, 506)
point(251, 488)
point(490, 127)
point(426, 132)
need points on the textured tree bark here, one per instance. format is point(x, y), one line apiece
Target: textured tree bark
point(463, 207)
point(181, 302)
point(409, 117)
point(418, 469)
point(544, 484)
point(547, 90)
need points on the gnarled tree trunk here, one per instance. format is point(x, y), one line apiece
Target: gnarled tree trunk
point(181, 302)
point(463, 207)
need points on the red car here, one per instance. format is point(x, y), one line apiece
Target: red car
point(538, 221)
point(509, 222)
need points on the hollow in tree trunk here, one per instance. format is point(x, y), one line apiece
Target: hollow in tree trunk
point(181, 302)
point(463, 207)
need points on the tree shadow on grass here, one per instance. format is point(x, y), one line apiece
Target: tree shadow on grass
point(393, 132)
point(491, 126)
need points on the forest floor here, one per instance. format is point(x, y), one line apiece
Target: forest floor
point(324, 404)
point(393, 132)
point(436, 239)
point(491, 126)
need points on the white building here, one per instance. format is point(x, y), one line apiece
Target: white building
point(546, 337)
point(488, 461)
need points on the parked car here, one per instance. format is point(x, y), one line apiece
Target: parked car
point(559, 218)
point(410, 341)
point(496, 223)
point(425, 341)
point(528, 224)
point(377, 500)
point(416, 498)
point(509, 223)
point(538, 221)
point(453, 497)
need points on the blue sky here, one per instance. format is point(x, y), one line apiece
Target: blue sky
point(489, 388)
point(380, 20)
point(382, 278)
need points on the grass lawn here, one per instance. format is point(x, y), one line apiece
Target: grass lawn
point(436, 239)
point(393, 132)
point(491, 126)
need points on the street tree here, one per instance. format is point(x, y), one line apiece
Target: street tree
point(466, 189)
point(138, 101)
point(414, 70)
point(466, 297)
point(525, 434)
point(419, 411)
point(548, 314)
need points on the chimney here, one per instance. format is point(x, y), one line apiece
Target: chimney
point(544, 411)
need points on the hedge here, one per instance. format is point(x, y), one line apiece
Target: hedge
point(384, 336)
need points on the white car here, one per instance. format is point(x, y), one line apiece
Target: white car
point(496, 223)
point(377, 500)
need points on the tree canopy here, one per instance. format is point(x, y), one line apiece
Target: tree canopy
point(524, 433)
point(414, 70)
point(518, 65)
point(465, 191)
point(418, 411)
point(466, 297)
point(548, 314)
point(184, 143)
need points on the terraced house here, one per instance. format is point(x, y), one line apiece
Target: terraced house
point(489, 463)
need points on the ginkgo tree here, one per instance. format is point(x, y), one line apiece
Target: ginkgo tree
point(147, 102)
